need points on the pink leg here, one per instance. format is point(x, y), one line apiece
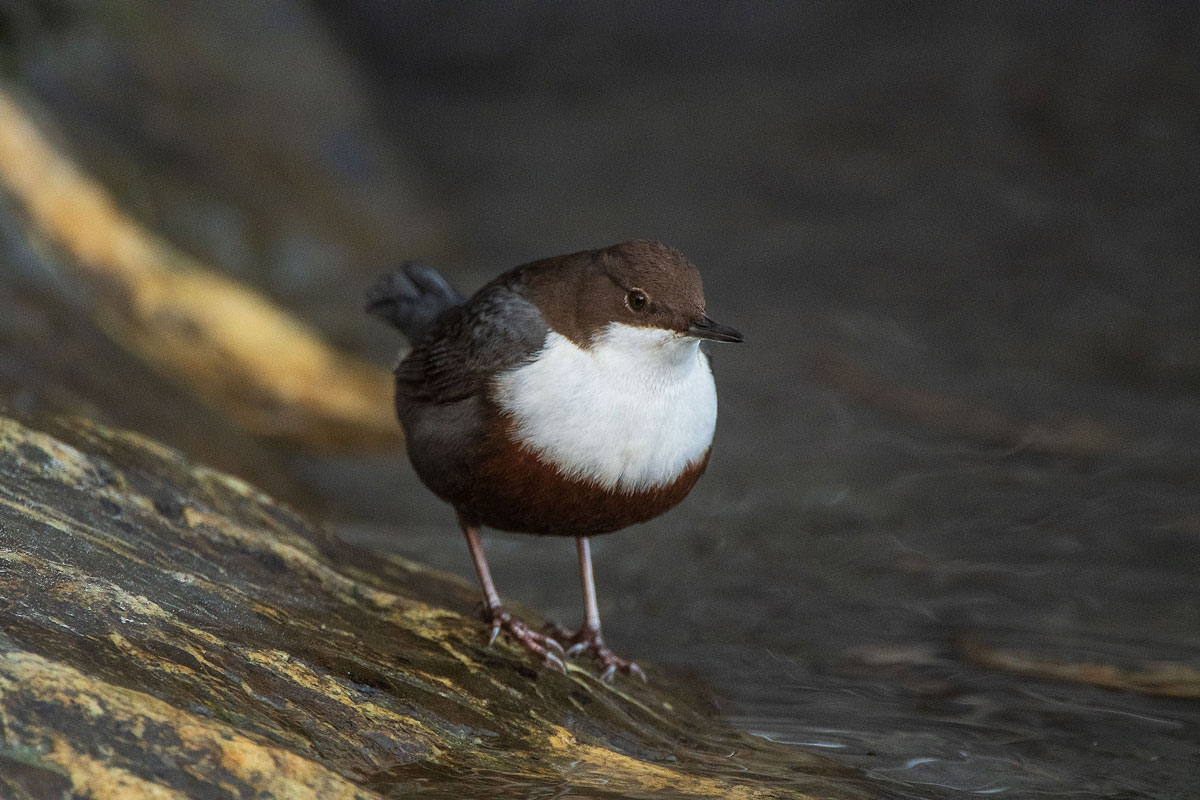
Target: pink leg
point(494, 611)
point(588, 638)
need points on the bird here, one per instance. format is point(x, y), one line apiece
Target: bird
point(567, 397)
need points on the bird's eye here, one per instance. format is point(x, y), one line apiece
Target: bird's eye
point(636, 300)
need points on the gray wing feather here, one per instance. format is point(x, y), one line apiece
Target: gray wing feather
point(495, 330)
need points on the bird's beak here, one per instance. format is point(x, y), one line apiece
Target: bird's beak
point(705, 328)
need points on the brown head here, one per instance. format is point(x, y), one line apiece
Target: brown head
point(640, 283)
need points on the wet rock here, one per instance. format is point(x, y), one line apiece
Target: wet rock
point(237, 131)
point(169, 630)
point(228, 345)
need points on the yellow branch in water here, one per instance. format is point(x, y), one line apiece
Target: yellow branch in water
point(1162, 678)
point(227, 344)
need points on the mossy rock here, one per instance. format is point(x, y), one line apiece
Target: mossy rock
point(170, 631)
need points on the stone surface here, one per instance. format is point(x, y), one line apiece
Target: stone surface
point(171, 631)
point(228, 345)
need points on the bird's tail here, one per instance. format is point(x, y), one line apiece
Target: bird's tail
point(411, 298)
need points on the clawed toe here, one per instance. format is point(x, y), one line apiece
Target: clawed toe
point(544, 647)
point(615, 664)
point(587, 641)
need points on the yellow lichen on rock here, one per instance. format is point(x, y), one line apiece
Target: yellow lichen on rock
point(599, 767)
point(40, 690)
point(96, 779)
point(164, 627)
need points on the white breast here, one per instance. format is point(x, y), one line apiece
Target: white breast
point(630, 412)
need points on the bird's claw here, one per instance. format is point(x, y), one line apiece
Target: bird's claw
point(588, 641)
point(545, 647)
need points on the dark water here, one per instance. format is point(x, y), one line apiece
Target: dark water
point(977, 212)
point(994, 204)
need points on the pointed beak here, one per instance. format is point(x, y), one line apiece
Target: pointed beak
point(705, 328)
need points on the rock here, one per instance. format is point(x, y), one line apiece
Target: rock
point(239, 132)
point(230, 346)
point(171, 631)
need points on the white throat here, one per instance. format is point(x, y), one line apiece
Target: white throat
point(631, 412)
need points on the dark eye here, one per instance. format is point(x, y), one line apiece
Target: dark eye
point(636, 300)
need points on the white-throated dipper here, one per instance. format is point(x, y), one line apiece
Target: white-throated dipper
point(567, 397)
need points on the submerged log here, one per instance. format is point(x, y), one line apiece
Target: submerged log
point(167, 630)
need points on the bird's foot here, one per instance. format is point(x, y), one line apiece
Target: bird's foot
point(588, 641)
point(544, 647)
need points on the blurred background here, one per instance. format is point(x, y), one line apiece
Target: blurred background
point(950, 532)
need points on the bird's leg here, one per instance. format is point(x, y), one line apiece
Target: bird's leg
point(494, 612)
point(588, 638)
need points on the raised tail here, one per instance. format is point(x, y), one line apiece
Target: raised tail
point(411, 298)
